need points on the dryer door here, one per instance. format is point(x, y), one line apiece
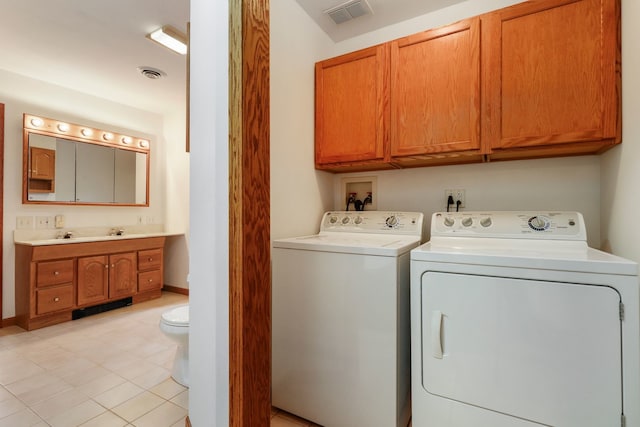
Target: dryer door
point(547, 352)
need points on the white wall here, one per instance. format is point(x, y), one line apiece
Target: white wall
point(209, 214)
point(176, 209)
point(299, 193)
point(547, 184)
point(620, 171)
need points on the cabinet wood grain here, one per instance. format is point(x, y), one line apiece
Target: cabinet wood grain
point(53, 280)
point(536, 79)
point(352, 109)
point(435, 94)
point(552, 78)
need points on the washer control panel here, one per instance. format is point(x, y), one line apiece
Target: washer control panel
point(387, 222)
point(506, 224)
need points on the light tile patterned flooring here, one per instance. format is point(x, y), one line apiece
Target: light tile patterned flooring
point(108, 370)
point(112, 369)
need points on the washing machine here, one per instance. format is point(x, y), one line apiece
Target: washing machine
point(340, 320)
point(517, 322)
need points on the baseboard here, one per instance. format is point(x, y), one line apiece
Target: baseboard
point(11, 321)
point(176, 290)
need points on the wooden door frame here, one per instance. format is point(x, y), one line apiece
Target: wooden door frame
point(249, 216)
point(1, 206)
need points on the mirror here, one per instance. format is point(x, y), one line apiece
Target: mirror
point(65, 163)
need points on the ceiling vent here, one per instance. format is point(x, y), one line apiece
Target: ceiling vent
point(151, 73)
point(349, 10)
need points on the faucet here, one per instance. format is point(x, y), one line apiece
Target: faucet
point(116, 232)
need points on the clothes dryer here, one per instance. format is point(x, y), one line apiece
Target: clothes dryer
point(516, 322)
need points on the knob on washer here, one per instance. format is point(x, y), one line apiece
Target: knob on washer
point(467, 221)
point(448, 221)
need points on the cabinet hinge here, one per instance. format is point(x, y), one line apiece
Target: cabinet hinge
point(623, 421)
point(621, 309)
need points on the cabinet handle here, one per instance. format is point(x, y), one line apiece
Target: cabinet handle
point(56, 299)
point(150, 259)
point(56, 273)
point(113, 266)
point(106, 266)
point(150, 280)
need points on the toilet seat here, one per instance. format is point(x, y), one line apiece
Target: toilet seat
point(178, 317)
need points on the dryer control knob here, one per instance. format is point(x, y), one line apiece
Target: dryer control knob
point(345, 220)
point(485, 222)
point(539, 223)
point(391, 221)
point(448, 221)
point(358, 220)
point(467, 221)
point(333, 219)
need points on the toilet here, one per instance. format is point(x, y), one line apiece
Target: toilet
point(175, 324)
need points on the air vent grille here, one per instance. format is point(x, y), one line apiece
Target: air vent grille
point(151, 73)
point(349, 10)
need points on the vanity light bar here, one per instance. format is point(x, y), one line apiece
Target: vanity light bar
point(57, 128)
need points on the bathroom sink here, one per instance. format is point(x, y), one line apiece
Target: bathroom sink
point(83, 239)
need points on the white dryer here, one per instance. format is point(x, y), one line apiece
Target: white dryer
point(340, 320)
point(517, 322)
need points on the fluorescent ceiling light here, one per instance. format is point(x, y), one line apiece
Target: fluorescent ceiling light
point(171, 38)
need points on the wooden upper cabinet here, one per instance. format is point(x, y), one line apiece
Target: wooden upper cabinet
point(435, 93)
point(43, 163)
point(352, 110)
point(552, 77)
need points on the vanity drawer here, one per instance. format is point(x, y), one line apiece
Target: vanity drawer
point(149, 280)
point(54, 299)
point(150, 259)
point(54, 272)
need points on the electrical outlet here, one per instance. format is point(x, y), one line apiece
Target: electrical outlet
point(43, 222)
point(24, 222)
point(457, 195)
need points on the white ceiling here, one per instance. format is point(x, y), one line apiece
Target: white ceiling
point(95, 47)
point(385, 12)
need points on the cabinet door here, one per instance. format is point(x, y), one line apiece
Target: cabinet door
point(351, 93)
point(93, 279)
point(435, 91)
point(43, 163)
point(122, 275)
point(553, 75)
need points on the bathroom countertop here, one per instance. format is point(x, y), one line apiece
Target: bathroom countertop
point(43, 240)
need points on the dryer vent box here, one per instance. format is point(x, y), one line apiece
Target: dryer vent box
point(362, 190)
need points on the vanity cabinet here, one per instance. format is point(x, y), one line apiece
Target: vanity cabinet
point(552, 78)
point(54, 286)
point(536, 79)
point(150, 270)
point(106, 277)
point(54, 280)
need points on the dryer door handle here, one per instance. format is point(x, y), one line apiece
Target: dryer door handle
point(436, 334)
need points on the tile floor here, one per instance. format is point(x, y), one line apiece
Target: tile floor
point(108, 370)
point(112, 369)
